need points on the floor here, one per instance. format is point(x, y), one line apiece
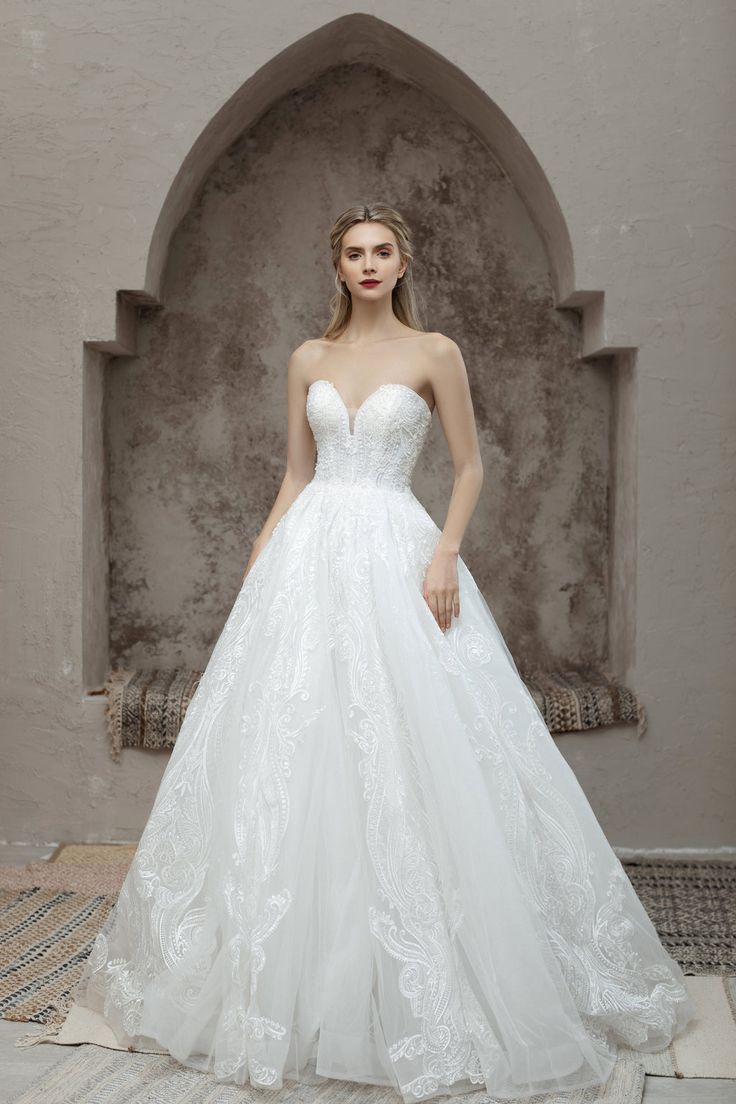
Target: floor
point(22, 1065)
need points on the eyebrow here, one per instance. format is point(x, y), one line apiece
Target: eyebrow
point(359, 248)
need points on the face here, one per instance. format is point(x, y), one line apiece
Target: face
point(370, 253)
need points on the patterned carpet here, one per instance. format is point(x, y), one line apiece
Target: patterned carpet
point(692, 904)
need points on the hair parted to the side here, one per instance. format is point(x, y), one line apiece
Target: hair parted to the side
point(403, 295)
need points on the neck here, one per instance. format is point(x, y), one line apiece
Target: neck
point(371, 322)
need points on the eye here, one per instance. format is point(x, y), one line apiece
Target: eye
point(381, 253)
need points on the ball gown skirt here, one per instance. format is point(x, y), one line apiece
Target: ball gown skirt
point(367, 859)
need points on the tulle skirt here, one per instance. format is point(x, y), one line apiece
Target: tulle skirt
point(367, 859)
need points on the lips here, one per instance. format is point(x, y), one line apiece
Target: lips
point(369, 283)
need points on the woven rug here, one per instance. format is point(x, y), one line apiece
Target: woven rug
point(581, 698)
point(45, 936)
point(50, 913)
point(82, 854)
point(89, 879)
point(93, 1074)
point(146, 708)
point(692, 904)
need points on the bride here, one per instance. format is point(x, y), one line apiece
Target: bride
point(367, 859)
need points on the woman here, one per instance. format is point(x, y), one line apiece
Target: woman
point(367, 858)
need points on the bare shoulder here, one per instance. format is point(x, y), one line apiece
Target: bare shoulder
point(303, 360)
point(442, 347)
point(444, 360)
point(308, 351)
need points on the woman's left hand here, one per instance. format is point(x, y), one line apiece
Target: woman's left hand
point(440, 589)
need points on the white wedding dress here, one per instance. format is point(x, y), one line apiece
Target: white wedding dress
point(367, 859)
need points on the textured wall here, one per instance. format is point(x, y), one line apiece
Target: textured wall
point(196, 422)
point(628, 111)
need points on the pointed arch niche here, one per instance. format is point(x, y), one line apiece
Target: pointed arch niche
point(184, 407)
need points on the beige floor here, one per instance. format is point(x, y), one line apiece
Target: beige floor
point(21, 1066)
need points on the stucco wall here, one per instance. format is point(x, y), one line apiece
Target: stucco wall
point(627, 113)
point(196, 421)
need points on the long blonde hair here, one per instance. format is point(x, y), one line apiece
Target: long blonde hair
point(403, 296)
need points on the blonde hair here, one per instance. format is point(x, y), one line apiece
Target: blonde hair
point(403, 296)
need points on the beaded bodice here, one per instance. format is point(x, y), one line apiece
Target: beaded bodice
point(376, 444)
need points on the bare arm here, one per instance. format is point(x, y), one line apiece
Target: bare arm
point(300, 450)
point(451, 389)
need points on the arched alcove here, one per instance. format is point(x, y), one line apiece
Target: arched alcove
point(193, 396)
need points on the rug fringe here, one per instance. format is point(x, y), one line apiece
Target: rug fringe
point(60, 1009)
point(115, 683)
point(643, 719)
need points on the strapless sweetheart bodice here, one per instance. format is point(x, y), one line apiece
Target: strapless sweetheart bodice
point(379, 445)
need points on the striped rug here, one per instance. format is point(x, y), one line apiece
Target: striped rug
point(45, 936)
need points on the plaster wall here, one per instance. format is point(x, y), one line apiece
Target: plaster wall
point(628, 112)
point(195, 422)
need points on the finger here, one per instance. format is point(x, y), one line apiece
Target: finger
point(444, 611)
point(434, 607)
